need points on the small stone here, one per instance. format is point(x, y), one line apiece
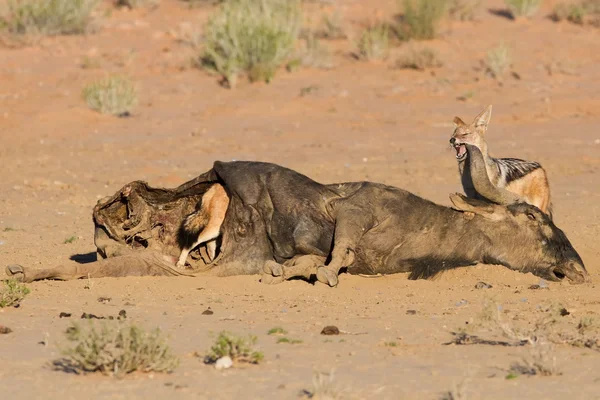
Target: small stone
point(64, 315)
point(330, 330)
point(208, 311)
point(104, 300)
point(122, 314)
point(411, 312)
point(4, 330)
point(482, 285)
point(224, 363)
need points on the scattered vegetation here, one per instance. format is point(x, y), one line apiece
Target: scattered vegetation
point(391, 344)
point(421, 19)
point(332, 27)
point(12, 293)
point(586, 324)
point(575, 12)
point(48, 17)
point(238, 348)
point(8, 229)
point(70, 239)
point(457, 392)
point(114, 95)
point(324, 387)
point(523, 8)
point(251, 37)
point(136, 3)
point(115, 349)
point(419, 59)
point(316, 54)
point(277, 331)
point(498, 60)
point(288, 340)
point(374, 42)
point(540, 360)
point(463, 10)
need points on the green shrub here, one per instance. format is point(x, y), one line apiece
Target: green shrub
point(254, 37)
point(421, 19)
point(238, 348)
point(523, 8)
point(374, 43)
point(115, 349)
point(12, 293)
point(48, 17)
point(114, 95)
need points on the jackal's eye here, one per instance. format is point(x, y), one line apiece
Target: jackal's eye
point(531, 216)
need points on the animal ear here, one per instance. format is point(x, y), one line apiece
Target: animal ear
point(458, 122)
point(476, 206)
point(483, 119)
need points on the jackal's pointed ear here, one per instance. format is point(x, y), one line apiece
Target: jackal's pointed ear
point(483, 119)
point(458, 122)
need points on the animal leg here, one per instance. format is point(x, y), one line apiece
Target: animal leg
point(303, 266)
point(350, 225)
point(210, 232)
point(211, 248)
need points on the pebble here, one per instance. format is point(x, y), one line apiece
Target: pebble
point(224, 363)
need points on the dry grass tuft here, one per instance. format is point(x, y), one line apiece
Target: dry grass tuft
point(523, 8)
point(114, 95)
point(498, 60)
point(419, 59)
point(421, 19)
point(237, 348)
point(374, 43)
point(251, 37)
point(12, 293)
point(463, 10)
point(48, 17)
point(115, 349)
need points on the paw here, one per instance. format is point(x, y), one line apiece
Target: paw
point(15, 271)
point(326, 276)
point(180, 265)
point(269, 279)
point(273, 268)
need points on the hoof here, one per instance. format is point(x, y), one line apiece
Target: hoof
point(327, 277)
point(273, 268)
point(269, 279)
point(15, 271)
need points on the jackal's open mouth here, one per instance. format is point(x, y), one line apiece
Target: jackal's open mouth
point(461, 151)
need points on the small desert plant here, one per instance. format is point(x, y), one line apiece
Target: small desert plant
point(374, 42)
point(116, 350)
point(523, 8)
point(463, 10)
point(419, 59)
point(324, 387)
point(251, 36)
point(498, 60)
point(49, 17)
point(70, 239)
point(277, 331)
point(574, 13)
point(540, 360)
point(332, 27)
point(136, 3)
point(315, 54)
point(421, 19)
point(114, 95)
point(585, 324)
point(236, 347)
point(12, 293)
point(288, 340)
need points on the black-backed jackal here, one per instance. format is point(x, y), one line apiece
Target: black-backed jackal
point(205, 222)
point(527, 179)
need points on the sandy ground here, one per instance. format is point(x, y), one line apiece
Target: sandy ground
point(358, 121)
